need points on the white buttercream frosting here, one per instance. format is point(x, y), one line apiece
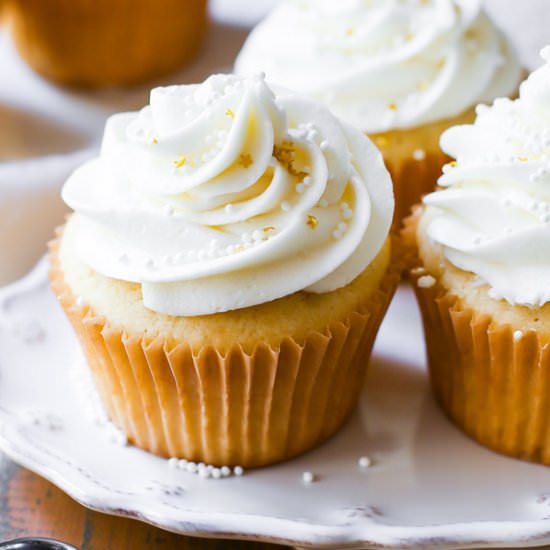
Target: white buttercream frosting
point(221, 196)
point(384, 64)
point(493, 218)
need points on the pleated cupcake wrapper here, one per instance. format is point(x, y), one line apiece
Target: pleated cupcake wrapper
point(412, 179)
point(492, 383)
point(234, 408)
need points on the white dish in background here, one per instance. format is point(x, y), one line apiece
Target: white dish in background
point(429, 486)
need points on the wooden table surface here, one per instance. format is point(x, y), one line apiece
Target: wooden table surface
point(31, 506)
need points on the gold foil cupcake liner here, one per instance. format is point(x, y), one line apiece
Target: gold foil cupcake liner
point(491, 380)
point(250, 409)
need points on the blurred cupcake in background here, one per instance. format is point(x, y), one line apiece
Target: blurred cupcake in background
point(3, 11)
point(483, 274)
point(106, 42)
point(400, 71)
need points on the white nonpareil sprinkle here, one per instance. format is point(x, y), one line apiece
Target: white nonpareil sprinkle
point(308, 478)
point(173, 462)
point(204, 473)
point(238, 471)
point(518, 335)
point(426, 281)
point(419, 154)
point(364, 462)
point(343, 227)
point(417, 271)
point(80, 302)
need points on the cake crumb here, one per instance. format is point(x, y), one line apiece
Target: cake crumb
point(426, 281)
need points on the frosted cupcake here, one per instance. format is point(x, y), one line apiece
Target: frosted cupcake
point(483, 281)
point(226, 270)
point(401, 72)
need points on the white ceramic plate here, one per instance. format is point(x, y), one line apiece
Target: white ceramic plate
point(429, 486)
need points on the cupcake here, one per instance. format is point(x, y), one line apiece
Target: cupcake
point(106, 42)
point(226, 270)
point(402, 72)
point(483, 274)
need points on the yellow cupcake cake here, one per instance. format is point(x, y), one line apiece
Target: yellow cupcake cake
point(226, 270)
point(402, 72)
point(106, 42)
point(483, 272)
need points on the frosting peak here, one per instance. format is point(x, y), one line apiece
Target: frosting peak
point(221, 196)
point(493, 217)
point(384, 64)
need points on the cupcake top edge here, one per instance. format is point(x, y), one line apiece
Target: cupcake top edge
point(223, 195)
point(385, 64)
point(492, 217)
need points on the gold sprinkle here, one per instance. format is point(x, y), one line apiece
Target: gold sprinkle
point(312, 221)
point(285, 154)
point(245, 160)
point(392, 106)
point(230, 113)
point(349, 32)
point(453, 164)
point(268, 229)
point(155, 141)
point(409, 36)
point(523, 159)
point(440, 64)
point(179, 163)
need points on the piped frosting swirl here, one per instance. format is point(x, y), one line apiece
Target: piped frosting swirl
point(384, 64)
point(221, 196)
point(493, 216)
